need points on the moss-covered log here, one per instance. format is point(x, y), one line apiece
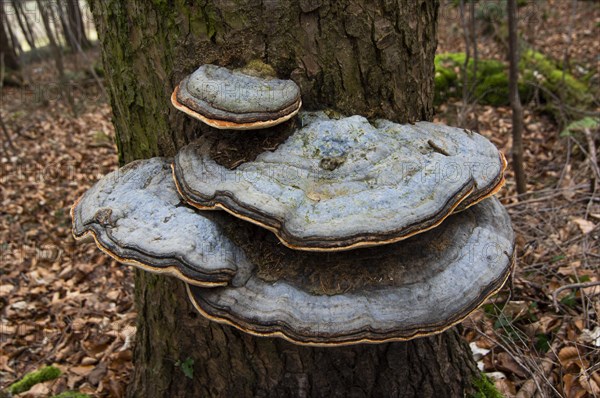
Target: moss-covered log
point(370, 58)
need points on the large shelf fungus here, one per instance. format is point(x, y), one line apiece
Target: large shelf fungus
point(413, 288)
point(239, 274)
point(338, 184)
point(136, 216)
point(236, 100)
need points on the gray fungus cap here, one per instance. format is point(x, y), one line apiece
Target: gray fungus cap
point(239, 274)
point(136, 216)
point(227, 99)
point(417, 287)
point(347, 183)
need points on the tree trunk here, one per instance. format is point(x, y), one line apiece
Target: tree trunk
point(47, 14)
point(8, 55)
point(16, 6)
point(72, 23)
point(23, 21)
point(515, 101)
point(76, 23)
point(369, 58)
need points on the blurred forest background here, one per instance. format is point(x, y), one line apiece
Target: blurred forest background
point(67, 320)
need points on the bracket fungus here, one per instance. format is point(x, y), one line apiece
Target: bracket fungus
point(413, 288)
point(332, 185)
point(240, 277)
point(136, 216)
point(236, 100)
point(338, 184)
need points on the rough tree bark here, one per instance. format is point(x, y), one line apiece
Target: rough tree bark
point(370, 58)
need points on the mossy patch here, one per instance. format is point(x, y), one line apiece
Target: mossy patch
point(71, 394)
point(258, 68)
point(485, 388)
point(490, 81)
point(31, 379)
point(539, 70)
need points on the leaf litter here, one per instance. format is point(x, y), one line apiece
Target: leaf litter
point(66, 304)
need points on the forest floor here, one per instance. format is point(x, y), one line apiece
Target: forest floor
point(66, 303)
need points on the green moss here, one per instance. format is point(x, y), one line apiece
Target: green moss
point(491, 81)
point(258, 68)
point(485, 388)
point(537, 69)
point(71, 394)
point(580, 125)
point(33, 378)
point(161, 4)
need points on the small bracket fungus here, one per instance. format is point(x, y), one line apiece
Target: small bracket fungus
point(236, 100)
point(136, 216)
point(417, 287)
point(347, 183)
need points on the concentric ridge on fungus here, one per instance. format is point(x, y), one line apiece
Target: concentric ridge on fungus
point(347, 183)
point(414, 288)
point(234, 100)
point(399, 291)
point(136, 216)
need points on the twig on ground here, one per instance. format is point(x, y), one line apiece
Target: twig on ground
point(571, 286)
point(532, 385)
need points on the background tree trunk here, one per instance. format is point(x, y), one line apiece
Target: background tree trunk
point(8, 55)
point(76, 24)
point(72, 24)
point(369, 58)
point(515, 101)
point(23, 23)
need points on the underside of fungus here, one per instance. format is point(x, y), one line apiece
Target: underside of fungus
point(235, 100)
point(413, 288)
point(338, 184)
point(136, 216)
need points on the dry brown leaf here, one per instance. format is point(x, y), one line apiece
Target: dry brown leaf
point(506, 387)
point(82, 370)
point(584, 225)
point(505, 363)
point(572, 388)
point(4, 364)
point(37, 391)
point(589, 384)
point(569, 356)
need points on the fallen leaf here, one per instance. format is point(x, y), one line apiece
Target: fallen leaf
point(584, 225)
point(572, 388)
point(478, 352)
point(505, 363)
point(506, 387)
point(569, 356)
point(589, 384)
point(97, 374)
point(82, 370)
point(591, 336)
